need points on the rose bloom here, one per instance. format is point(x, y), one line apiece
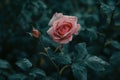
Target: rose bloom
point(63, 27)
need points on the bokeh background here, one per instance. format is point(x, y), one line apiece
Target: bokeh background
point(92, 55)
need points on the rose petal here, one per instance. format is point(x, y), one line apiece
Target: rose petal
point(51, 33)
point(55, 17)
point(64, 40)
point(66, 19)
point(72, 18)
point(72, 31)
point(77, 29)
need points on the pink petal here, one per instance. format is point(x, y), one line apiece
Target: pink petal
point(64, 41)
point(77, 29)
point(51, 33)
point(55, 17)
point(72, 18)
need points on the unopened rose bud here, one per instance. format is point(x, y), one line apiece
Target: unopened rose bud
point(35, 33)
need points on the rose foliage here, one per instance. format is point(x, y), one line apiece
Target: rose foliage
point(59, 39)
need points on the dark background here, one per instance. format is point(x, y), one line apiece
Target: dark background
point(94, 54)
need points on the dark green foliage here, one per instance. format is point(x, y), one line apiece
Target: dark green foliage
point(4, 64)
point(115, 60)
point(96, 63)
point(64, 57)
point(94, 54)
point(17, 77)
point(79, 72)
point(81, 52)
point(24, 64)
point(115, 44)
point(37, 73)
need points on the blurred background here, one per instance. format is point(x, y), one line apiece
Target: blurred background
point(19, 52)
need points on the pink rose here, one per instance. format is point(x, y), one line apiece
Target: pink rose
point(63, 27)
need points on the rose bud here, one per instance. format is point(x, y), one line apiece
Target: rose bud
point(63, 27)
point(35, 33)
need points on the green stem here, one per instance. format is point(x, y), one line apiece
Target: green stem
point(63, 68)
point(47, 55)
point(40, 41)
point(58, 48)
point(51, 61)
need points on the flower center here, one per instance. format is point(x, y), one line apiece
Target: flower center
point(63, 29)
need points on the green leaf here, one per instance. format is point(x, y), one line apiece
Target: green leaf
point(37, 72)
point(81, 51)
point(79, 72)
point(62, 58)
point(89, 34)
point(24, 64)
point(17, 77)
point(115, 58)
point(106, 8)
point(4, 64)
point(96, 63)
point(48, 42)
point(115, 44)
point(116, 17)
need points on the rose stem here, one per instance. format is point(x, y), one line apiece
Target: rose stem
point(60, 45)
point(59, 48)
point(51, 61)
point(40, 41)
point(63, 68)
